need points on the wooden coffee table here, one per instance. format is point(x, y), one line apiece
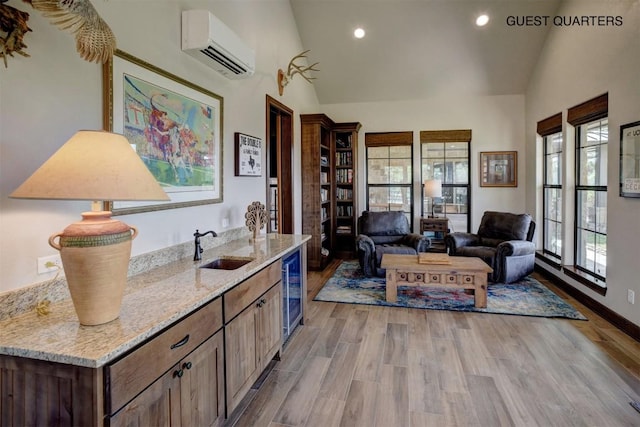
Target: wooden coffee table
point(460, 272)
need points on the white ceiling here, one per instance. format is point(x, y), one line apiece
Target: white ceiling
point(416, 49)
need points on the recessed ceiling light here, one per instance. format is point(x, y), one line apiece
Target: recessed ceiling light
point(482, 20)
point(358, 33)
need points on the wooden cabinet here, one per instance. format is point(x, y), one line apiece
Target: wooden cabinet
point(174, 379)
point(191, 393)
point(317, 188)
point(436, 229)
point(141, 388)
point(254, 335)
point(193, 373)
point(346, 175)
point(39, 393)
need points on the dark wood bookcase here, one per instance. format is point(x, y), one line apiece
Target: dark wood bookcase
point(345, 153)
point(329, 177)
point(317, 187)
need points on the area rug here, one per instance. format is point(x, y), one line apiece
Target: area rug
point(527, 297)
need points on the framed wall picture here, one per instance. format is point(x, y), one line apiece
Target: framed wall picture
point(248, 155)
point(499, 169)
point(173, 125)
point(630, 160)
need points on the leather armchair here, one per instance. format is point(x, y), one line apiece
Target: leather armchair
point(504, 241)
point(385, 232)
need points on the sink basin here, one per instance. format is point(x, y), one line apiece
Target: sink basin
point(227, 263)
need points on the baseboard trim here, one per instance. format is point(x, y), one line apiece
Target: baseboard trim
point(601, 310)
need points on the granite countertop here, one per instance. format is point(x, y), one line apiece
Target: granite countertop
point(153, 300)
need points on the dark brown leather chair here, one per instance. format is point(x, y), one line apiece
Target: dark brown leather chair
point(504, 241)
point(385, 233)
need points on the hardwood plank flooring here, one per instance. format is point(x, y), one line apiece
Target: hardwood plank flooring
point(358, 365)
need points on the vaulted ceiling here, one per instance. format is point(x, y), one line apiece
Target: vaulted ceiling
point(415, 49)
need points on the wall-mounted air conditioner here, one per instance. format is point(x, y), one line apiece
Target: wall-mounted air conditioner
point(207, 39)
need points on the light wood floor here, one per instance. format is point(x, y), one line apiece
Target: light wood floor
point(359, 365)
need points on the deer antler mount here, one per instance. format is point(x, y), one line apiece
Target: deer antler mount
point(293, 69)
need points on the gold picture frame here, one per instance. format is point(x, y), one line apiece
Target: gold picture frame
point(176, 128)
point(499, 169)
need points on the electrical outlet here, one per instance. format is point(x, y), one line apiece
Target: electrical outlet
point(48, 264)
point(225, 222)
point(631, 296)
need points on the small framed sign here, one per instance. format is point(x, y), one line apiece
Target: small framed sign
point(630, 160)
point(248, 155)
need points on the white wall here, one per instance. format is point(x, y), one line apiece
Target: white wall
point(46, 98)
point(497, 124)
point(577, 64)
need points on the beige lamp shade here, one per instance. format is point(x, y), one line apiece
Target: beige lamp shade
point(95, 252)
point(433, 188)
point(93, 165)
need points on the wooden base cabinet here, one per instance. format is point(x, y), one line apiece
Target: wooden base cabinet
point(190, 388)
point(39, 393)
point(253, 330)
point(191, 393)
point(175, 378)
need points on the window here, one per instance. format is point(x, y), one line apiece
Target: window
point(390, 172)
point(552, 201)
point(591, 198)
point(445, 157)
point(552, 196)
point(590, 230)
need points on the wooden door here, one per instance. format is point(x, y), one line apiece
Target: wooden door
point(202, 385)
point(240, 355)
point(269, 333)
point(158, 405)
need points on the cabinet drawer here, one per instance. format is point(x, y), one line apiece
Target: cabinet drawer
point(131, 374)
point(433, 227)
point(238, 298)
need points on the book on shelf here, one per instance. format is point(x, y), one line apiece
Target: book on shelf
point(345, 211)
point(344, 176)
point(344, 193)
point(344, 158)
point(343, 229)
point(343, 141)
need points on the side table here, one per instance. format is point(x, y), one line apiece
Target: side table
point(436, 229)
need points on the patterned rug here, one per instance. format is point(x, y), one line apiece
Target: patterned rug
point(527, 297)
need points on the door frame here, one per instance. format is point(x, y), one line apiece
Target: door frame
point(284, 162)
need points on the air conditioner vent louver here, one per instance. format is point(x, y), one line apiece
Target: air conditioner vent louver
point(210, 41)
point(223, 60)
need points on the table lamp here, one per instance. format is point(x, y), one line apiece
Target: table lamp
point(432, 189)
point(95, 252)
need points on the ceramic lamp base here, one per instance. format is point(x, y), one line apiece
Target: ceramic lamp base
point(95, 255)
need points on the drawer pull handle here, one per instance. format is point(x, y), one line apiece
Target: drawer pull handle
point(179, 373)
point(180, 343)
point(187, 365)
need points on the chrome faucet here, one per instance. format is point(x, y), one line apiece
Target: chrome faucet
point(197, 255)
